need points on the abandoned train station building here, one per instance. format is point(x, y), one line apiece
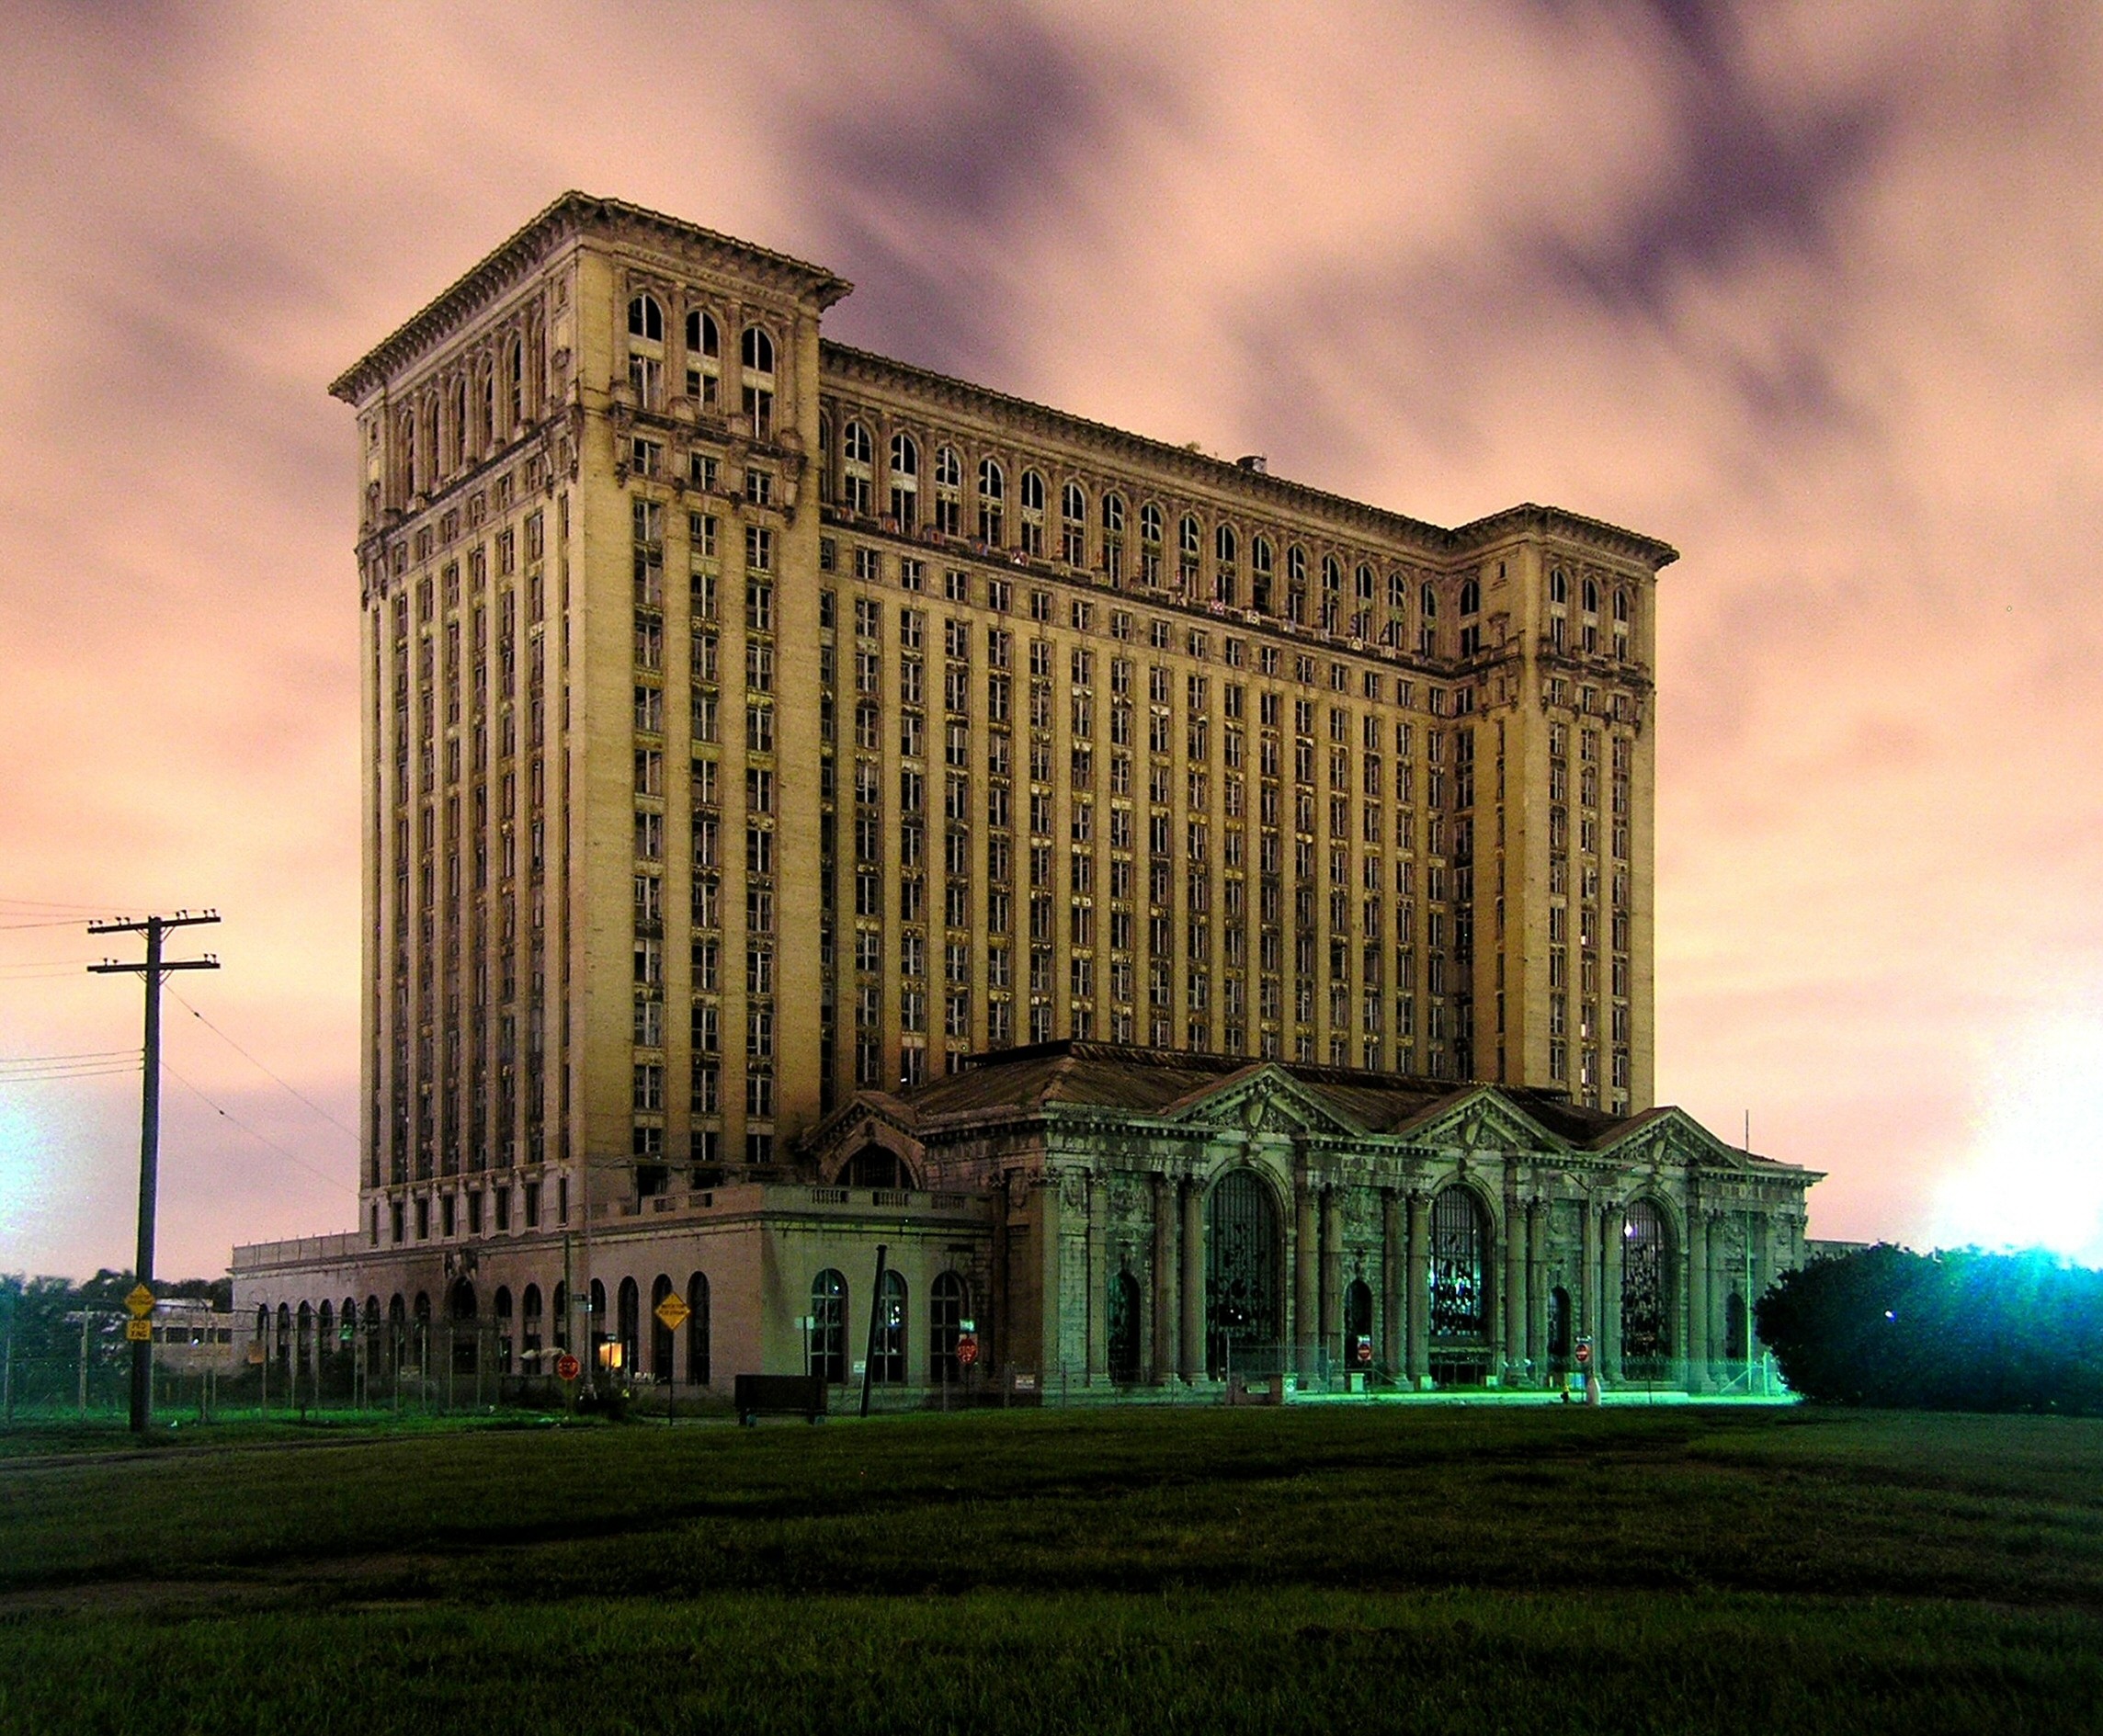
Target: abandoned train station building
point(1195, 923)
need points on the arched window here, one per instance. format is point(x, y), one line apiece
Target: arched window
point(1032, 493)
point(1226, 549)
point(515, 372)
point(887, 1366)
point(945, 1302)
point(662, 1343)
point(1591, 596)
point(704, 360)
point(1150, 544)
point(1470, 609)
point(1331, 593)
point(1456, 1298)
point(1073, 525)
point(1190, 543)
point(1296, 583)
point(1113, 539)
point(757, 349)
point(1557, 586)
point(1591, 621)
point(530, 1327)
point(993, 494)
point(1426, 620)
point(646, 352)
point(1123, 1321)
point(1243, 1253)
point(595, 1324)
point(559, 1312)
point(325, 1331)
point(857, 483)
point(904, 480)
point(628, 1323)
point(1646, 1292)
point(1367, 583)
point(829, 1326)
point(698, 1330)
point(948, 492)
point(875, 1166)
point(1260, 568)
point(502, 1304)
point(1621, 623)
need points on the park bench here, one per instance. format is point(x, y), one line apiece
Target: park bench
point(759, 1395)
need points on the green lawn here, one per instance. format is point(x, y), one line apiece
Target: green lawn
point(1143, 1570)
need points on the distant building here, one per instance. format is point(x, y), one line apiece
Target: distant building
point(757, 728)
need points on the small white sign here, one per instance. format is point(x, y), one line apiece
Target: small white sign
point(860, 1367)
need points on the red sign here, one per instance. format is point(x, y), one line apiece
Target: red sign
point(967, 1349)
point(1364, 1350)
point(1583, 1354)
point(567, 1367)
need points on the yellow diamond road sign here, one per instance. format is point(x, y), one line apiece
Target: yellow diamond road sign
point(673, 1312)
point(140, 1303)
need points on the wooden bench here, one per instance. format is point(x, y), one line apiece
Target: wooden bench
point(759, 1395)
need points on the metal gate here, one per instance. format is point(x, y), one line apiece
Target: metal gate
point(1243, 1329)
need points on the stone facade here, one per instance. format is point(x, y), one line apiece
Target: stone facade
point(759, 732)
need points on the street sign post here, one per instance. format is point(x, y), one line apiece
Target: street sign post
point(674, 1313)
point(139, 1331)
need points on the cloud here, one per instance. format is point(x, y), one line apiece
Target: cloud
point(1811, 292)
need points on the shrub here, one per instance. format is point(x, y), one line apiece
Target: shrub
point(1950, 1331)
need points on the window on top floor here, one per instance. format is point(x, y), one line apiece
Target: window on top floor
point(1073, 525)
point(1150, 544)
point(856, 472)
point(1225, 576)
point(757, 350)
point(904, 480)
point(992, 498)
point(1471, 625)
point(1032, 522)
point(704, 359)
point(1190, 541)
point(1261, 568)
point(1426, 620)
point(948, 492)
point(646, 318)
point(1113, 537)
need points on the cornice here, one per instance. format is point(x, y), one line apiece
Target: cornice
point(1566, 527)
point(571, 215)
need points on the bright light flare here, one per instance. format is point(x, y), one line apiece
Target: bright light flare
point(2035, 1175)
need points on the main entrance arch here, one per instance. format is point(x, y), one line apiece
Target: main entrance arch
point(1244, 1329)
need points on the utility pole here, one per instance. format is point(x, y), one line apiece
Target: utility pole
point(153, 928)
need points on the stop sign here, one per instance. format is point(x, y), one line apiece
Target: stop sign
point(968, 1349)
point(1583, 1354)
point(567, 1367)
point(1364, 1350)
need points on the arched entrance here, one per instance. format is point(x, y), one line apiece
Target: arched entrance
point(1124, 1329)
point(1243, 1253)
point(1646, 1294)
point(1357, 1325)
point(461, 1328)
point(1459, 1301)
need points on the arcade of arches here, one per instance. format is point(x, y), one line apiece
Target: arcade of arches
point(1111, 1219)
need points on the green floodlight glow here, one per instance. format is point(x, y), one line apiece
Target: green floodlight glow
point(2033, 1178)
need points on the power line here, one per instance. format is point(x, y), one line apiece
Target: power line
point(47, 903)
point(124, 1069)
point(82, 1054)
point(58, 922)
point(263, 1137)
point(295, 1091)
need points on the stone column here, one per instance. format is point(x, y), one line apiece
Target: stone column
point(1099, 1277)
point(1536, 1287)
point(1419, 1317)
point(1515, 1297)
point(1696, 1291)
point(1193, 1252)
point(1610, 1295)
point(1588, 1325)
point(1165, 1320)
point(1393, 1284)
point(1333, 1270)
point(1306, 1277)
point(1721, 1347)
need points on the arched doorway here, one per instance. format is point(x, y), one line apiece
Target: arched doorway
point(628, 1323)
point(698, 1330)
point(461, 1326)
point(1559, 1344)
point(1243, 1253)
point(1459, 1301)
point(1737, 1344)
point(1646, 1293)
point(662, 1343)
point(1123, 1323)
point(1357, 1325)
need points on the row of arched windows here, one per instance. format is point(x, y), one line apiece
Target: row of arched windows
point(828, 1354)
point(463, 415)
point(1219, 563)
point(700, 363)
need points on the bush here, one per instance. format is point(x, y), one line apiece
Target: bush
point(1947, 1332)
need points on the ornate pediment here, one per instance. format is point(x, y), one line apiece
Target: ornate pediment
point(1482, 1121)
point(1671, 1138)
point(1263, 1100)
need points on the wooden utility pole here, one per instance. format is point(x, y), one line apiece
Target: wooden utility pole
point(152, 970)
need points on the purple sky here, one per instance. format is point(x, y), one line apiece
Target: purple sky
point(1815, 293)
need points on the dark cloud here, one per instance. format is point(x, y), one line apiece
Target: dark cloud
point(928, 188)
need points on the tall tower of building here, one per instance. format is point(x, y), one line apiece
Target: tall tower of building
point(750, 720)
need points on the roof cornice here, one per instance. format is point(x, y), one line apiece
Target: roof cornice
point(570, 215)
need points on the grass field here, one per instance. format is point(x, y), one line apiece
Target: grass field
point(1141, 1570)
